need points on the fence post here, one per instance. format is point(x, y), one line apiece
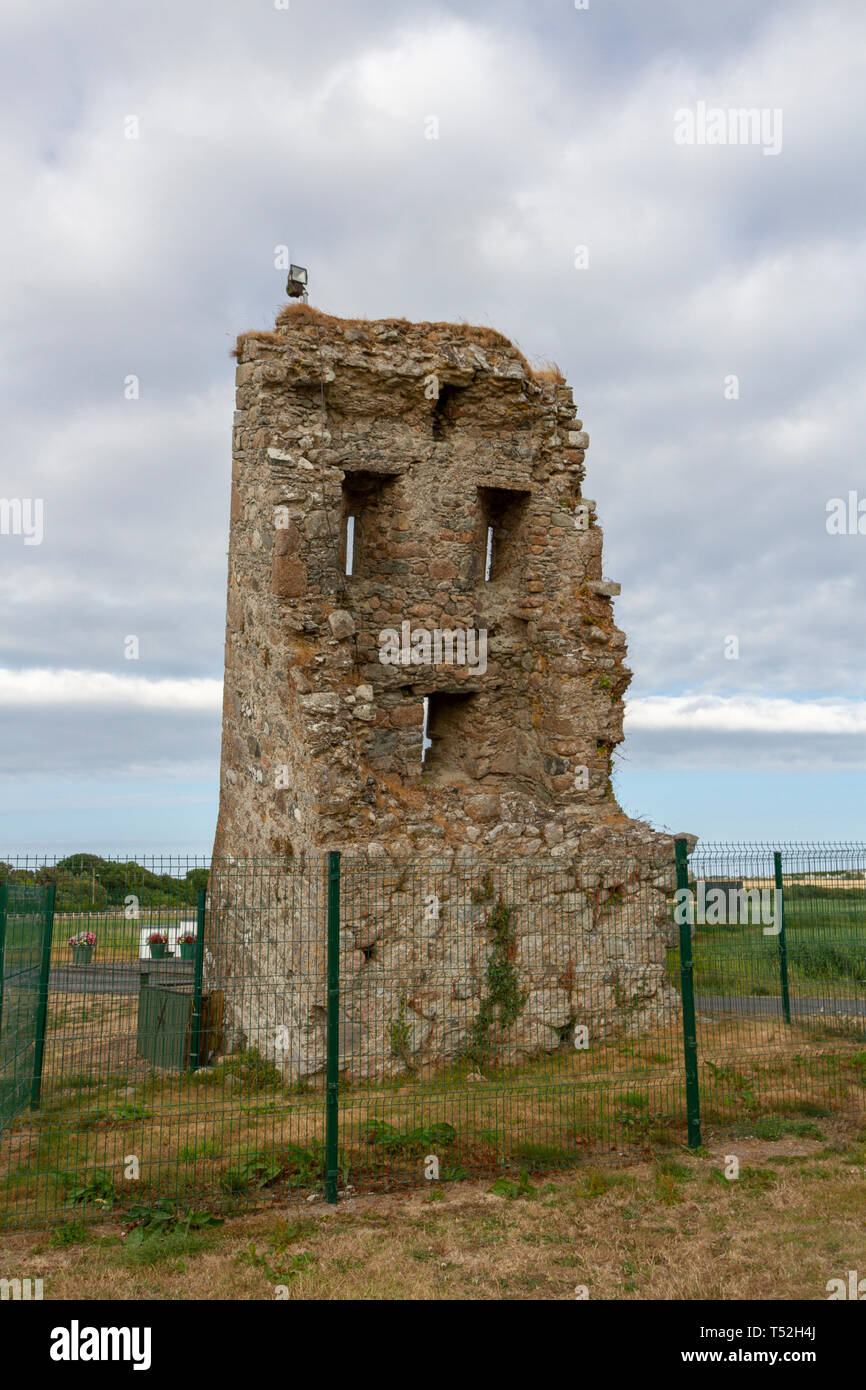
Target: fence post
point(332, 1114)
point(42, 1006)
point(687, 985)
point(198, 971)
point(4, 898)
point(783, 941)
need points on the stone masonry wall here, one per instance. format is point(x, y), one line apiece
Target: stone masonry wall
point(432, 438)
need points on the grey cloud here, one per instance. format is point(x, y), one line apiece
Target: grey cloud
point(307, 128)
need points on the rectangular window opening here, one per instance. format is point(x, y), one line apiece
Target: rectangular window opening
point(502, 523)
point(446, 408)
point(451, 735)
point(363, 520)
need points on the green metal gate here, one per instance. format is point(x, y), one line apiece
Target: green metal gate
point(26, 924)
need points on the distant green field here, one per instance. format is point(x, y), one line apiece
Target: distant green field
point(117, 937)
point(826, 939)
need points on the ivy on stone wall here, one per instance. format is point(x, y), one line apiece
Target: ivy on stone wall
point(505, 999)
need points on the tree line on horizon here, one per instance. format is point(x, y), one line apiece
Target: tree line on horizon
point(89, 883)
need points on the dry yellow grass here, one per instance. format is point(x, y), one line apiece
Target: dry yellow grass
point(814, 881)
point(672, 1229)
point(296, 312)
point(102, 1103)
point(548, 371)
point(260, 335)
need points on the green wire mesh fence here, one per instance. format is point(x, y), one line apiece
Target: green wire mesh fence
point(779, 948)
point(212, 1036)
point(26, 912)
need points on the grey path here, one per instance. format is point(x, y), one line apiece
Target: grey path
point(123, 978)
point(120, 978)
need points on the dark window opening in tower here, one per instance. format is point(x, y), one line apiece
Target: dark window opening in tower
point(502, 525)
point(451, 735)
point(364, 521)
point(446, 411)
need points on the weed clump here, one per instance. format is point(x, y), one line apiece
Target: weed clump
point(504, 1000)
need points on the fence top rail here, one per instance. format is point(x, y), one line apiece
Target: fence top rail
point(728, 854)
point(785, 846)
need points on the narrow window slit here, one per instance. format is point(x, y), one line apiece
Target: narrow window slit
point(350, 543)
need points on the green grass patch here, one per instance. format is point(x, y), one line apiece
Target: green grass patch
point(544, 1155)
point(825, 933)
point(385, 1136)
point(508, 1187)
point(777, 1127)
point(108, 1116)
point(162, 1232)
point(70, 1233)
point(206, 1148)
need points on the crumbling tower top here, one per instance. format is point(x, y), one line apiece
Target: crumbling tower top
point(421, 655)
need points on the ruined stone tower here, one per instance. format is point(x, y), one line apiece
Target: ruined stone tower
point(411, 552)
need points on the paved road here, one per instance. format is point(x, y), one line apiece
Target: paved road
point(123, 977)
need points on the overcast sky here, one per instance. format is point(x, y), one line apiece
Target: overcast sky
point(255, 126)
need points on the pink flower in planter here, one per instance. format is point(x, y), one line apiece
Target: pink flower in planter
point(83, 938)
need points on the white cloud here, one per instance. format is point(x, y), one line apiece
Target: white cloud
point(716, 714)
point(740, 714)
point(98, 690)
point(147, 256)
